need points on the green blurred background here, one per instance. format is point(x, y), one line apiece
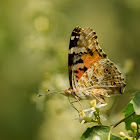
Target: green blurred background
point(34, 40)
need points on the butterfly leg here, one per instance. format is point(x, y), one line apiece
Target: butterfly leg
point(71, 103)
point(79, 102)
point(96, 96)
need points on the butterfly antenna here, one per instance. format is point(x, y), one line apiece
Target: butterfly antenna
point(48, 92)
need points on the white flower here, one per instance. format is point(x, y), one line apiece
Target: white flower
point(92, 114)
point(84, 118)
point(90, 111)
point(101, 105)
point(83, 121)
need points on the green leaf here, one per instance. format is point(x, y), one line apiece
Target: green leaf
point(100, 131)
point(129, 109)
point(136, 103)
point(133, 106)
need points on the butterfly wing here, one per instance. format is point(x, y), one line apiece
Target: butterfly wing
point(83, 52)
point(72, 51)
point(104, 77)
point(89, 67)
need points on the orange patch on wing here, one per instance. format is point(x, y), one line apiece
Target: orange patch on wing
point(79, 74)
point(89, 60)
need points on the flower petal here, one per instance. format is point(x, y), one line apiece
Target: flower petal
point(91, 114)
point(87, 110)
point(83, 121)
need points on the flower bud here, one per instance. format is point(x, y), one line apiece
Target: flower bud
point(122, 134)
point(134, 125)
point(130, 133)
point(97, 108)
point(138, 128)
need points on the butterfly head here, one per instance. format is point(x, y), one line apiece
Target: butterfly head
point(69, 92)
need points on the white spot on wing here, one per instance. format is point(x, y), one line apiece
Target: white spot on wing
point(78, 50)
point(72, 37)
point(90, 46)
point(71, 50)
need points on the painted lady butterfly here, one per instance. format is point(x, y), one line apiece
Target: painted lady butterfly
point(91, 73)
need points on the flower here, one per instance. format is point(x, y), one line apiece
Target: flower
point(84, 117)
point(92, 114)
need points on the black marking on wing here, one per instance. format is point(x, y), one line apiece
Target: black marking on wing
point(73, 43)
point(70, 62)
point(79, 61)
point(83, 69)
point(75, 34)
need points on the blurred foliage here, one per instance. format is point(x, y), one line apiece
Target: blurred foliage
point(34, 40)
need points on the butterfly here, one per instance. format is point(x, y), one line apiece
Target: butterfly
point(91, 74)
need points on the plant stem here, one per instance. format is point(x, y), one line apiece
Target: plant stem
point(123, 119)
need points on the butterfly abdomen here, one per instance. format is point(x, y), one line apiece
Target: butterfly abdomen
point(80, 93)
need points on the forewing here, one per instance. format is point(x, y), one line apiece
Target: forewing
point(84, 50)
